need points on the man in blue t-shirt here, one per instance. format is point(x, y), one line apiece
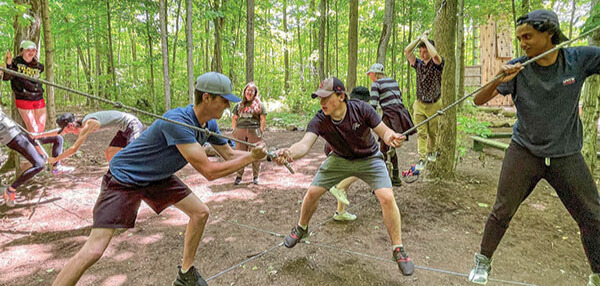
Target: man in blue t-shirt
point(144, 171)
point(547, 137)
point(346, 126)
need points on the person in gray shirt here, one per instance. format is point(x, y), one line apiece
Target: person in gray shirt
point(129, 127)
point(547, 137)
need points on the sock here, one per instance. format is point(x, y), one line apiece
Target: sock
point(303, 227)
point(396, 246)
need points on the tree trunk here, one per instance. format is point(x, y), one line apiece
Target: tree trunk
point(111, 60)
point(49, 67)
point(133, 67)
point(337, 43)
point(165, 52)
point(408, 73)
point(445, 33)
point(250, 41)
point(299, 32)
point(286, 53)
point(460, 53)
point(352, 44)
point(386, 31)
point(572, 20)
point(151, 61)
point(322, 19)
point(219, 21)
point(175, 34)
point(98, 59)
point(591, 108)
point(189, 38)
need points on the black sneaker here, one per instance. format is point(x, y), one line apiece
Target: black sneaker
point(295, 235)
point(190, 278)
point(404, 262)
point(237, 181)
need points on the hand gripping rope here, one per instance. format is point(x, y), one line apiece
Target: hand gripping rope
point(443, 110)
point(117, 104)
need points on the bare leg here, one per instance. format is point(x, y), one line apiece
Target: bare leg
point(344, 184)
point(40, 118)
point(198, 212)
point(28, 117)
point(391, 214)
point(310, 203)
point(91, 251)
point(110, 152)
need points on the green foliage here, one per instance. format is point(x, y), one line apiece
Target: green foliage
point(469, 125)
point(287, 119)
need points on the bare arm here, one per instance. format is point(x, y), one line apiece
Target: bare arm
point(432, 51)
point(298, 149)
point(234, 121)
point(263, 122)
point(408, 51)
point(227, 152)
point(390, 137)
point(195, 155)
point(489, 92)
point(89, 126)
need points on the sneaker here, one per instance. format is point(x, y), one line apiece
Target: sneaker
point(59, 169)
point(237, 181)
point(344, 216)
point(483, 267)
point(404, 262)
point(340, 195)
point(431, 157)
point(9, 198)
point(420, 166)
point(295, 235)
point(594, 280)
point(190, 278)
point(255, 180)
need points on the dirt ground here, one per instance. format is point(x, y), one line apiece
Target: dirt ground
point(442, 223)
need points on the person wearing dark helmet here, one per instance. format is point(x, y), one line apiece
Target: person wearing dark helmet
point(547, 137)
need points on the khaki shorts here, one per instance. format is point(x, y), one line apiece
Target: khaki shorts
point(371, 170)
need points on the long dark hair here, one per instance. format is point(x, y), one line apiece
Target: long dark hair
point(245, 101)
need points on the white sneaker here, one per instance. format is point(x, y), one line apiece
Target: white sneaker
point(59, 169)
point(479, 273)
point(431, 157)
point(594, 280)
point(344, 216)
point(420, 166)
point(340, 195)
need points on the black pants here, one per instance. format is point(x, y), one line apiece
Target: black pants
point(57, 144)
point(570, 178)
point(23, 145)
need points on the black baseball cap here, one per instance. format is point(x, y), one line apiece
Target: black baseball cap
point(543, 17)
point(63, 120)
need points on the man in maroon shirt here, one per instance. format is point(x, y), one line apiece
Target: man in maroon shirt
point(346, 126)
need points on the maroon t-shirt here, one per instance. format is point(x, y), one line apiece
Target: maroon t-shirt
point(350, 138)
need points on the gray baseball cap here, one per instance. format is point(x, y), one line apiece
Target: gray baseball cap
point(216, 83)
point(376, 68)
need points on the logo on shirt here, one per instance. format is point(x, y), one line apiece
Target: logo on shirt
point(569, 81)
point(355, 126)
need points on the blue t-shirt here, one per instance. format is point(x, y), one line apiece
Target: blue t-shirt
point(547, 101)
point(153, 156)
point(351, 137)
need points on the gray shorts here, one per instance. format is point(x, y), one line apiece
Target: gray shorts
point(371, 170)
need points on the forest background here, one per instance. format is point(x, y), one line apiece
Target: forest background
point(147, 54)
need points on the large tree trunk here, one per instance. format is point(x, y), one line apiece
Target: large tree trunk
point(250, 41)
point(286, 53)
point(165, 52)
point(460, 53)
point(322, 19)
point(445, 32)
point(189, 38)
point(386, 31)
point(590, 110)
point(352, 44)
point(219, 22)
point(111, 60)
point(49, 67)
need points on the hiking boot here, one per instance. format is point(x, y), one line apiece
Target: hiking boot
point(404, 262)
point(237, 181)
point(340, 195)
point(483, 267)
point(190, 278)
point(59, 169)
point(255, 180)
point(9, 198)
point(344, 216)
point(420, 166)
point(295, 236)
point(594, 280)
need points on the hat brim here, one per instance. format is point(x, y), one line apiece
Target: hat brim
point(562, 37)
point(231, 97)
point(321, 93)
